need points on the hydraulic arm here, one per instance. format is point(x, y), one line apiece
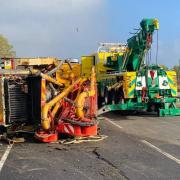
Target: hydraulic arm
point(139, 44)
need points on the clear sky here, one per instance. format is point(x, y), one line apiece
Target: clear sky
point(71, 28)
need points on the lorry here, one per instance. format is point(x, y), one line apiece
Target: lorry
point(127, 82)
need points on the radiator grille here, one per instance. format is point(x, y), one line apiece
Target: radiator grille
point(16, 102)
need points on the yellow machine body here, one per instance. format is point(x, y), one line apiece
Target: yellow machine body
point(87, 62)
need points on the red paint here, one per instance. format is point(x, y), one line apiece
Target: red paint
point(46, 136)
point(152, 73)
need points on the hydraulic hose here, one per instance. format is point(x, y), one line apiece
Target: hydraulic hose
point(59, 66)
point(46, 122)
point(56, 68)
point(49, 78)
point(82, 97)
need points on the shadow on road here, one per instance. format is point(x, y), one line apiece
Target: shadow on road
point(127, 115)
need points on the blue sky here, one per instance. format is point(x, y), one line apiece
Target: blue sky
point(71, 28)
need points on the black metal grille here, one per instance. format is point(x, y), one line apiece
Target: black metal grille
point(16, 102)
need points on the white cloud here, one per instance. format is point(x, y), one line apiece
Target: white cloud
point(50, 6)
point(53, 27)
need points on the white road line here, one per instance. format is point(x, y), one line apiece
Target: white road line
point(161, 151)
point(150, 145)
point(114, 123)
point(4, 157)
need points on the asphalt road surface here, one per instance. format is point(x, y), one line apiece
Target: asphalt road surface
point(137, 148)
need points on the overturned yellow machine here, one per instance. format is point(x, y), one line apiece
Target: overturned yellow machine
point(51, 93)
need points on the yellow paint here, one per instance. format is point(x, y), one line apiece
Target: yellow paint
point(156, 23)
point(173, 77)
point(35, 61)
point(128, 78)
point(50, 79)
point(8, 64)
point(46, 121)
point(102, 57)
point(82, 97)
point(55, 109)
point(65, 75)
point(87, 63)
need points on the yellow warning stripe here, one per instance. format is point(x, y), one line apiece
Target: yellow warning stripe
point(173, 84)
point(132, 88)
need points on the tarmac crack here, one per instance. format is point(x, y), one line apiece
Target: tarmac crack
point(98, 155)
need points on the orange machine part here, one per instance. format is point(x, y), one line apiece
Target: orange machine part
point(76, 130)
point(46, 137)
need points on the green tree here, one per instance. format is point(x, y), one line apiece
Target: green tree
point(6, 49)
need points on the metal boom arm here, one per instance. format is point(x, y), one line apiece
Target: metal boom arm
point(139, 44)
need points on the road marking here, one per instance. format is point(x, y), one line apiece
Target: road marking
point(4, 157)
point(114, 123)
point(161, 151)
point(150, 145)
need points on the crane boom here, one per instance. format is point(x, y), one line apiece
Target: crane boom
point(139, 44)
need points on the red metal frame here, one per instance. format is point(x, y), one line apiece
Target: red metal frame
point(68, 111)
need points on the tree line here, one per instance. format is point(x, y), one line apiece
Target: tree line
point(6, 49)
